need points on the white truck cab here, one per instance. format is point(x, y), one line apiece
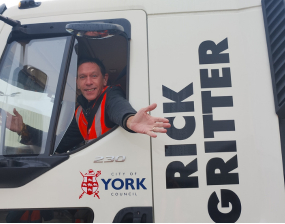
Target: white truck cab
point(215, 68)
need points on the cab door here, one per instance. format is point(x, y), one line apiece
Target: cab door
point(118, 163)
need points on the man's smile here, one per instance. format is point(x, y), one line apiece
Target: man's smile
point(88, 90)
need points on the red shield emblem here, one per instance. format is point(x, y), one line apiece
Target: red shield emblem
point(90, 184)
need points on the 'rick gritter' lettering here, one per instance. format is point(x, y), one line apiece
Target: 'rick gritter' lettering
point(225, 176)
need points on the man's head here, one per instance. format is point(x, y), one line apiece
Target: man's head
point(91, 78)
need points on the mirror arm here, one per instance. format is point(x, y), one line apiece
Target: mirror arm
point(10, 22)
point(3, 8)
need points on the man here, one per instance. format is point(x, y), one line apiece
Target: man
point(101, 107)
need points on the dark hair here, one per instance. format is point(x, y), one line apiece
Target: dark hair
point(95, 61)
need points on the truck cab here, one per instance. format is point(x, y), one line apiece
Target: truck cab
point(215, 70)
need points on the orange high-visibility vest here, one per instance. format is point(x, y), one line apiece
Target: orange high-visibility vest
point(98, 126)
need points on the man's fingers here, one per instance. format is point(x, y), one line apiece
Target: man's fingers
point(151, 107)
point(161, 119)
point(16, 112)
point(151, 134)
point(160, 130)
point(163, 125)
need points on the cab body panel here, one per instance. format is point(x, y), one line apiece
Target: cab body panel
point(177, 67)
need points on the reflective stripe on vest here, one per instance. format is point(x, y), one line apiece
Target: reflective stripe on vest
point(98, 126)
point(79, 109)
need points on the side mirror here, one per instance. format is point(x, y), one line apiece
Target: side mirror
point(94, 30)
point(31, 78)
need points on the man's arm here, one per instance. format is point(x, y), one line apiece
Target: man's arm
point(122, 113)
point(29, 135)
point(33, 136)
point(15, 122)
point(118, 108)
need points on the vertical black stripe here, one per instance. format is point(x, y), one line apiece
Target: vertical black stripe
point(181, 150)
point(220, 146)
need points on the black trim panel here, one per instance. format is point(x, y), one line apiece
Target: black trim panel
point(16, 172)
point(64, 214)
point(282, 137)
point(274, 23)
point(134, 214)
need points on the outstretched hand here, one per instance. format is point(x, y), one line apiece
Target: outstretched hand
point(143, 123)
point(14, 122)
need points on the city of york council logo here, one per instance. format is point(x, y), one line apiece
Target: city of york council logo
point(90, 184)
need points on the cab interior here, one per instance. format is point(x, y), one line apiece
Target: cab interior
point(113, 52)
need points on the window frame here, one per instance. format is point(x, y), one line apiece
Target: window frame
point(116, 126)
point(34, 165)
point(127, 97)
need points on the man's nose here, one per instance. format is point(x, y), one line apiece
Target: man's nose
point(88, 80)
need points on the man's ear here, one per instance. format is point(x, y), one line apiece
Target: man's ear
point(106, 79)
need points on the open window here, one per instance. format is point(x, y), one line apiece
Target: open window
point(113, 53)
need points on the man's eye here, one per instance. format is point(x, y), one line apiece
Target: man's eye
point(82, 77)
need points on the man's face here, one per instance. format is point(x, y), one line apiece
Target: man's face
point(90, 80)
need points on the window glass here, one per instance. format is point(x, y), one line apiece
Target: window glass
point(28, 81)
point(69, 99)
